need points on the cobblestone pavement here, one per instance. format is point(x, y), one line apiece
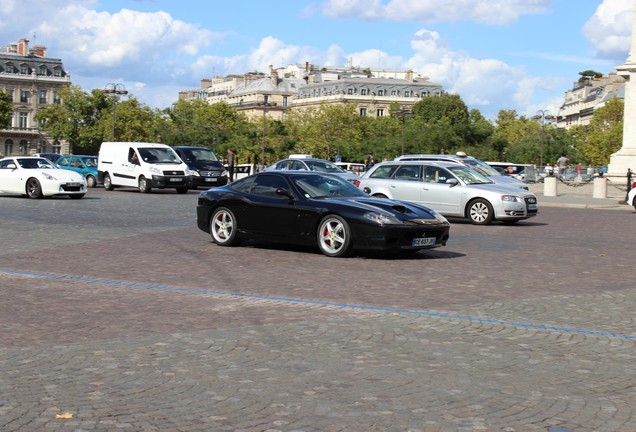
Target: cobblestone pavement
point(117, 312)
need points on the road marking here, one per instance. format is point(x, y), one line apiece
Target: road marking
point(325, 303)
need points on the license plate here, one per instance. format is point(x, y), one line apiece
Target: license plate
point(423, 241)
point(176, 179)
point(532, 206)
point(210, 179)
point(73, 184)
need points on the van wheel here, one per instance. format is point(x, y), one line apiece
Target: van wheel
point(90, 181)
point(108, 185)
point(144, 185)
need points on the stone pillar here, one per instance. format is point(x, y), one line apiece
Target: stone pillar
point(626, 156)
point(550, 186)
point(600, 188)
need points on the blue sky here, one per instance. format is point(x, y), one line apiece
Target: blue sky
point(496, 54)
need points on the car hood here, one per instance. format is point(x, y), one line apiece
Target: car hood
point(508, 189)
point(508, 181)
point(400, 209)
point(206, 165)
point(59, 174)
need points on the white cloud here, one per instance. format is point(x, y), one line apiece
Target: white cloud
point(486, 11)
point(609, 29)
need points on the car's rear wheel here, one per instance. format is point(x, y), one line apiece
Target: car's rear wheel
point(223, 227)
point(144, 185)
point(334, 236)
point(91, 181)
point(380, 196)
point(480, 212)
point(108, 184)
point(33, 188)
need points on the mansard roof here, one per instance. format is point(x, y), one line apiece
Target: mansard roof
point(11, 63)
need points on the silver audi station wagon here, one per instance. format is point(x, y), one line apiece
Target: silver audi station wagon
point(453, 190)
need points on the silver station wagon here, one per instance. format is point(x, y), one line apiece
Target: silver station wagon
point(453, 190)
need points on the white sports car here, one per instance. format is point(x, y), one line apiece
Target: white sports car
point(37, 177)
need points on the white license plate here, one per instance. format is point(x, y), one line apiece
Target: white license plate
point(73, 184)
point(532, 206)
point(423, 241)
point(210, 179)
point(176, 179)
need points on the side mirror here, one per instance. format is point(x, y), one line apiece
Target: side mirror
point(452, 182)
point(285, 193)
point(11, 166)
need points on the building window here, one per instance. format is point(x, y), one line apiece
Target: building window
point(10, 91)
point(57, 72)
point(394, 92)
point(42, 97)
point(24, 69)
point(380, 112)
point(424, 93)
point(381, 92)
point(407, 93)
point(56, 98)
point(363, 112)
point(24, 96)
point(24, 147)
point(363, 92)
point(22, 120)
point(42, 70)
point(8, 147)
point(350, 91)
point(285, 101)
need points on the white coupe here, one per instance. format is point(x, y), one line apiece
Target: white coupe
point(38, 177)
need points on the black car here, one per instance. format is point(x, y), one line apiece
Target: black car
point(207, 169)
point(313, 208)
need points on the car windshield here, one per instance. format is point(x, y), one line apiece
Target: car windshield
point(319, 186)
point(481, 167)
point(199, 154)
point(468, 175)
point(158, 155)
point(324, 166)
point(35, 163)
point(90, 162)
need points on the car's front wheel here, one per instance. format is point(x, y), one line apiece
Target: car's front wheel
point(144, 185)
point(34, 189)
point(91, 181)
point(334, 236)
point(480, 212)
point(223, 227)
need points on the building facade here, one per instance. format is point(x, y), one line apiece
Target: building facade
point(586, 96)
point(34, 82)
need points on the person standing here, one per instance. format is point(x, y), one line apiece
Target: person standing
point(230, 163)
point(562, 163)
point(548, 170)
point(369, 162)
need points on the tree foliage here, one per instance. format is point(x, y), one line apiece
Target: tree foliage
point(605, 133)
point(6, 108)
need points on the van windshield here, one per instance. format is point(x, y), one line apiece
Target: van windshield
point(157, 155)
point(199, 154)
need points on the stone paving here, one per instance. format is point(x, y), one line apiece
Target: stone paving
point(117, 312)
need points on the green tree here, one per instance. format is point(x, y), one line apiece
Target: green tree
point(604, 133)
point(6, 108)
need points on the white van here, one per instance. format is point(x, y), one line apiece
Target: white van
point(142, 165)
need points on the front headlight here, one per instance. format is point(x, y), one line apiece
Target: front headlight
point(155, 170)
point(511, 198)
point(382, 219)
point(193, 173)
point(225, 173)
point(48, 176)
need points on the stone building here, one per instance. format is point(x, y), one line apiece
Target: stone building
point(33, 81)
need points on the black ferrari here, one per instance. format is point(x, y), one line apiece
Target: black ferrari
point(308, 208)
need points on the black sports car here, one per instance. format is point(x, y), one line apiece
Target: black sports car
point(308, 208)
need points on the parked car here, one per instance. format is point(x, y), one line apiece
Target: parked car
point(50, 156)
point(85, 165)
point(205, 167)
point(38, 177)
point(312, 164)
point(304, 207)
point(476, 164)
point(452, 189)
point(352, 167)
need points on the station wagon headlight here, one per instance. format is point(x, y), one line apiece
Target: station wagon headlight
point(382, 219)
point(510, 198)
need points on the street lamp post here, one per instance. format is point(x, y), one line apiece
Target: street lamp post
point(543, 115)
point(114, 89)
point(402, 113)
point(265, 104)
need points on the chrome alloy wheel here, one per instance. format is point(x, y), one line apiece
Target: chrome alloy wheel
point(334, 236)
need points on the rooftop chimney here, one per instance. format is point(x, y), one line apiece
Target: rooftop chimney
point(23, 47)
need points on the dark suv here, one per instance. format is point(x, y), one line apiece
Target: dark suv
point(207, 169)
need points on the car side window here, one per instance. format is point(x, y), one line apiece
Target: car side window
point(4, 164)
point(408, 172)
point(383, 172)
point(436, 175)
point(77, 163)
point(63, 162)
point(266, 186)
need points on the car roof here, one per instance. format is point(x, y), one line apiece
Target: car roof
point(191, 147)
point(418, 162)
point(454, 157)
